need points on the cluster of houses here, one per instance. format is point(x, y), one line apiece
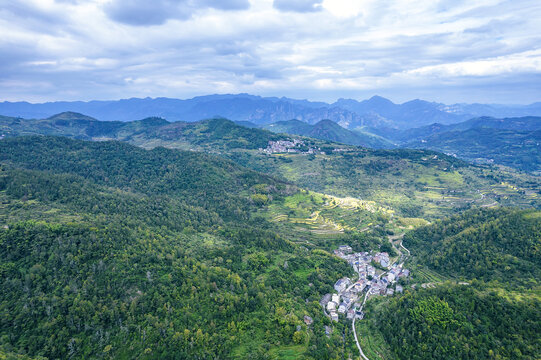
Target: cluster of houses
point(288, 146)
point(343, 302)
point(348, 296)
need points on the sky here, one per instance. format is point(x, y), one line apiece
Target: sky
point(450, 51)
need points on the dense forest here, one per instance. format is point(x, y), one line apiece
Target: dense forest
point(111, 251)
point(502, 245)
point(491, 307)
point(459, 322)
point(415, 183)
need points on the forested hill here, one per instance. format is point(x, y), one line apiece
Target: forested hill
point(111, 251)
point(458, 322)
point(331, 131)
point(502, 245)
point(211, 134)
point(201, 179)
point(489, 309)
point(517, 149)
point(413, 182)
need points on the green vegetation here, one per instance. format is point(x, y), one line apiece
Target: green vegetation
point(517, 149)
point(414, 183)
point(457, 322)
point(330, 131)
point(372, 342)
point(500, 245)
point(137, 255)
point(213, 134)
point(109, 250)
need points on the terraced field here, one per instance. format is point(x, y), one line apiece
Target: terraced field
point(324, 215)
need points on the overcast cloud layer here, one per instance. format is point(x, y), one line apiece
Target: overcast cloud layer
point(448, 51)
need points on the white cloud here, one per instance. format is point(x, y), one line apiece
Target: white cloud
point(526, 62)
point(91, 49)
point(345, 8)
point(300, 6)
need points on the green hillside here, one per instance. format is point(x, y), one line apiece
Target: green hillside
point(501, 245)
point(77, 125)
point(456, 322)
point(330, 131)
point(413, 183)
point(517, 149)
point(112, 251)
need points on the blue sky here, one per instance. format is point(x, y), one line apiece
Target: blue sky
point(449, 51)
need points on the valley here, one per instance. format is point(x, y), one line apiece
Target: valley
point(219, 240)
point(270, 180)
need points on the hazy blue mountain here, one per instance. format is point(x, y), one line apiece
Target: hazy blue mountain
point(410, 114)
point(494, 110)
point(527, 123)
point(376, 112)
point(241, 107)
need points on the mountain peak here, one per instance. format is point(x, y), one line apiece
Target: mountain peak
point(380, 100)
point(71, 115)
point(153, 121)
point(326, 123)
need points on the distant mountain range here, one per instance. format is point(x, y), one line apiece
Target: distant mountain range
point(374, 113)
point(527, 123)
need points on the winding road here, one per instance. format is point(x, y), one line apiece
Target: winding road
point(363, 356)
point(403, 258)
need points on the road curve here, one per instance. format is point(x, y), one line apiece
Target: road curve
point(363, 356)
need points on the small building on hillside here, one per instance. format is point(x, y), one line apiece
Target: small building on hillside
point(325, 300)
point(331, 306)
point(342, 284)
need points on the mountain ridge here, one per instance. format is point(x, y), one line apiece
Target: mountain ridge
point(376, 112)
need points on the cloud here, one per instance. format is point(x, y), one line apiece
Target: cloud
point(142, 12)
point(226, 4)
point(529, 61)
point(85, 49)
point(301, 6)
point(157, 12)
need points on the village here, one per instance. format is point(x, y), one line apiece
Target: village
point(286, 146)
point(376, 276)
